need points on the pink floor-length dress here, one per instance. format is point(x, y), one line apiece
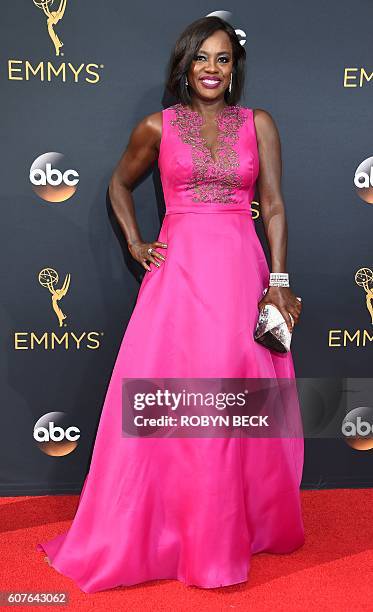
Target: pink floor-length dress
point(192, 509)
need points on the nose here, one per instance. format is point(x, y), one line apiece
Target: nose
point(211, 66)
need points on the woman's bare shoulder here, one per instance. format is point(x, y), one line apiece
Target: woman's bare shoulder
point(264, 122)
point(262, 116)
point(149, 128)
point(153, 122)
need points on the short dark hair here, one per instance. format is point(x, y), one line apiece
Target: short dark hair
point(187, 46)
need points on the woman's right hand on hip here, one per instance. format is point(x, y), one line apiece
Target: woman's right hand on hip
point(140, 251)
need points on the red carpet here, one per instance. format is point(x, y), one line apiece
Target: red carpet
point(332, 571)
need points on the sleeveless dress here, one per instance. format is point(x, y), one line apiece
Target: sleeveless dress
point(191, 509)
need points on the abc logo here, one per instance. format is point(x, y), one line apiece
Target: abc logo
point(357, 428)
point(363, 180)
point(55, 435)
point(52, 177)
point(227, 16)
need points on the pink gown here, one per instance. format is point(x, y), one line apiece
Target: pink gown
point(191, 509)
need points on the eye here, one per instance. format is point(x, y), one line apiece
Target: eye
point(224, 59)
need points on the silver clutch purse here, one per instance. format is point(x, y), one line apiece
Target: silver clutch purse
point(271, 329)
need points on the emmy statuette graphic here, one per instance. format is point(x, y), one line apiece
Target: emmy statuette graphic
point(53, 17)
point(49, 278)
point(363, 278)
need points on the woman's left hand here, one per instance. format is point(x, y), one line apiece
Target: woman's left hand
point(286, 302)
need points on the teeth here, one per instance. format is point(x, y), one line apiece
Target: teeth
point(211, 81)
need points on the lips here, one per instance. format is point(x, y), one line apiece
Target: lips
point(210, 82)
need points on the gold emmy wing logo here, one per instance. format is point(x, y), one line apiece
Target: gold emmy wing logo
point(363, 278)
point(49, 278)
point(53, 17)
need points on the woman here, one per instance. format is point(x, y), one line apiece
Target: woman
point(194, 509)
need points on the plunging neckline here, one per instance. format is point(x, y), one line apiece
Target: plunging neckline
point(199, 121)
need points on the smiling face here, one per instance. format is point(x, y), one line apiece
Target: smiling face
point(210, 72)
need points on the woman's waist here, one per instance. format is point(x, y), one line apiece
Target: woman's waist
point(208, 208)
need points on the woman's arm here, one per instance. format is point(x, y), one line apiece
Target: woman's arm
point(273, 212)
point(141, 151)
point(269, 185)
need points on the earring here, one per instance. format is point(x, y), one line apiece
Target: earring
point(186, 81)
point(230, 84)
